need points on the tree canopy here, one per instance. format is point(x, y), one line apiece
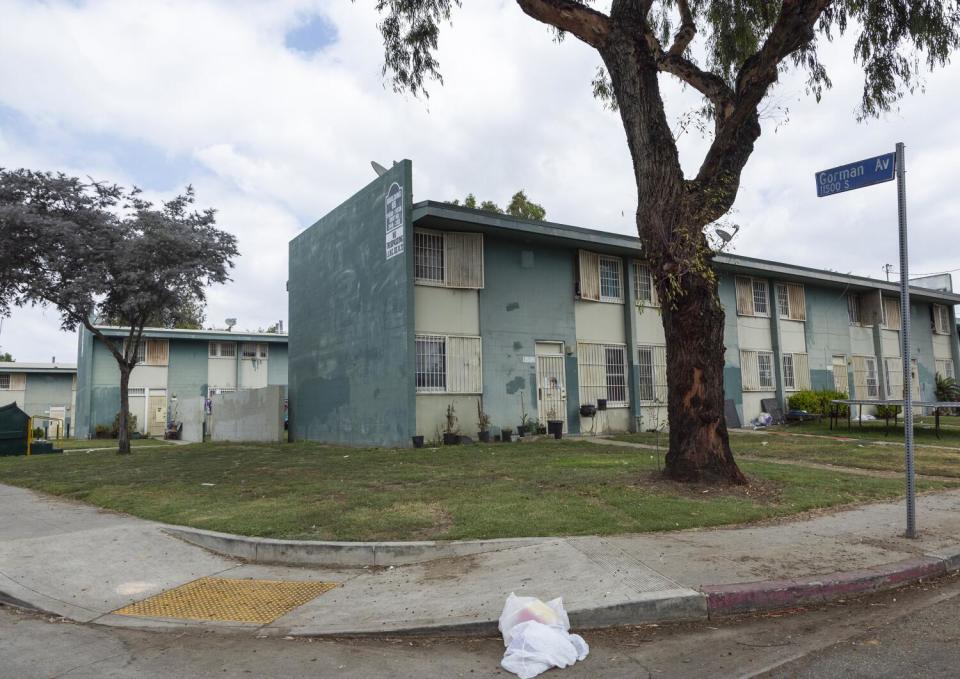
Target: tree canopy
point(6, 357)
point(519, 206)
point(95, 250)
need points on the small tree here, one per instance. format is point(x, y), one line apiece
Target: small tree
point(6, 357)
point(519, 206)
point(94, 250)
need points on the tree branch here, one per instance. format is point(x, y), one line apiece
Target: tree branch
point(591, 26)
point(687, 30)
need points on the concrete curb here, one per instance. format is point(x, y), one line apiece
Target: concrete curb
point(733, 599)
point(342, 554)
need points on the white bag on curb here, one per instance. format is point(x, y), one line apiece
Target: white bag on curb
point(536, 636)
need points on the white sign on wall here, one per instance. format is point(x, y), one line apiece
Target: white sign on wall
point(393, 208)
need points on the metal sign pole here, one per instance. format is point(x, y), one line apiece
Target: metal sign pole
point(905, 343)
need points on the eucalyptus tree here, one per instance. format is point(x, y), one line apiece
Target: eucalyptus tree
point(731, 52)
point(95, 250)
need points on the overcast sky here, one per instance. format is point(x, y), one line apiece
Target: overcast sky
point(274, 110)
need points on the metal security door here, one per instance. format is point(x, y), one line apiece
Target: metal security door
point(840, 381)
point(551, 385)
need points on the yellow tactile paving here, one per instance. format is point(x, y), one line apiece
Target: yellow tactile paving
point(220, 599)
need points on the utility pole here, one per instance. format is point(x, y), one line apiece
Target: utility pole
point(888, 268)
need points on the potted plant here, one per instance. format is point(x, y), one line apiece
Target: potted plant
point(418, 441)
point(483, 421)
point(451, 435)
point(554, 426)
point(506, 434)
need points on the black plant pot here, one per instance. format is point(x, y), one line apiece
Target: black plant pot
point(507, 435)
point(522, 430)
point(451, 439)
point(418, 442)
point(484, 436)
point(555, 427)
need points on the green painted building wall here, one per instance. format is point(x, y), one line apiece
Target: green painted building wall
point(827, 333)
point(187, 368)
point(528, 296)
point(732, 378)
point(351, 319)
point(921, 340)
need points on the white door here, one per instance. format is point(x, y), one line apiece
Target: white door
point(551, 383)
point(57, 428)
point(840, 374)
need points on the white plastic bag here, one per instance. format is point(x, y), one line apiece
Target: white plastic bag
point(536, 636)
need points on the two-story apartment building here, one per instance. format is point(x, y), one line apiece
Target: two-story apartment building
point(400, 310)
point(172, 364)
point(42, 390)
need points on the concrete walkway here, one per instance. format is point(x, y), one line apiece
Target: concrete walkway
point(83, 563)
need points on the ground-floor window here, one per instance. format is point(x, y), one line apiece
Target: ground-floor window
point(449, 364)
point(756, 370)
point(603, 373)
point(652, 374)
point(865, 378)
point(944, 368)
point(796, 372)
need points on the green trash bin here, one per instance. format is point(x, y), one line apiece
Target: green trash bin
point(14, 427)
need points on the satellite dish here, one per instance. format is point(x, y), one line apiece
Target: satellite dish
point(726, 236)
point(230, 323)
point(378, 168)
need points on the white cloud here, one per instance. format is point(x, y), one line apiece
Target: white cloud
point(274, 138)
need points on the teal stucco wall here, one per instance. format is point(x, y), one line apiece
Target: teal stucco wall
point(351, 362)
point(732, 379)
point(921, 340)
point(187, 369)
point(827, 332)
point(277, 365)
point(526, 298)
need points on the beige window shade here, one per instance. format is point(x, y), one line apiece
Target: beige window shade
point(464, 369)
point(801, 371)
point(589, 275)
point(744, 296)
point(749, 372)
point(893, 373)
point(891, 313)
point(865, 380)
point(13, 381)
point(464, 260)
point(158, 352)
point(798, 302)
point(941, 319)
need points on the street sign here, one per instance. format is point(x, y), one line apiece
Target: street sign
point(856, 175)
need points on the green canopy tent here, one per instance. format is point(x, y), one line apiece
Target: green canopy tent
point(14, 430)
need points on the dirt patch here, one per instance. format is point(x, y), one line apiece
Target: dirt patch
point(758, 490)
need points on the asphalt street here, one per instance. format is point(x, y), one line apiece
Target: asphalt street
point(910, 632)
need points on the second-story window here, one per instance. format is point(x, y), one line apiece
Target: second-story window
point(611, 280)
point(449, 259)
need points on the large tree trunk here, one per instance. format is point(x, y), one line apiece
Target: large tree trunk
point(693, 327)
point(670, 222)
point(123, 442)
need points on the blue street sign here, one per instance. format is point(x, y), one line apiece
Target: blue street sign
point(856, 175)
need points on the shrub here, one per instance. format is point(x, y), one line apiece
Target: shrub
point(131, 425)
point(38, 432)
point(883, 412)
point(817, 401)
point(101, 431)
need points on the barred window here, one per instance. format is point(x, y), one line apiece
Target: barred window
point(611, 283)
point(765, 369)
point(652, 373)
point(223, 350)
point(141, 350)
point(756, 370)
point(449, 363)
point(428, 257)
point(603, 370)
point(853, 310)
point(449, 259)
point(788, 380)
point(5, 382)
point(760, 298)
point(248, 350)
point(431, 363)
point(941, 319)
point(791, 303)
point(865, 380)
point(643, 286)
point(751, 296)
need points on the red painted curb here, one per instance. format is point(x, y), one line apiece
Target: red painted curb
point(778, 594)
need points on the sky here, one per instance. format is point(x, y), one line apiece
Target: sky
point(274, 110)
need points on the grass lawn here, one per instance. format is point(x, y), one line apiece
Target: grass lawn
point(862, 453)
point(85, 444)
point(309, 491)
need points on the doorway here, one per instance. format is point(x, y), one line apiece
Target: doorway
point(551, 383)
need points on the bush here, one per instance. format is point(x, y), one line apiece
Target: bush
point(101, 431)
point(38, 432)
point(883, 412)
point(131, 425)
point(817, 401)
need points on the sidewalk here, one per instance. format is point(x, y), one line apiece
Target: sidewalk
point(84, 564)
